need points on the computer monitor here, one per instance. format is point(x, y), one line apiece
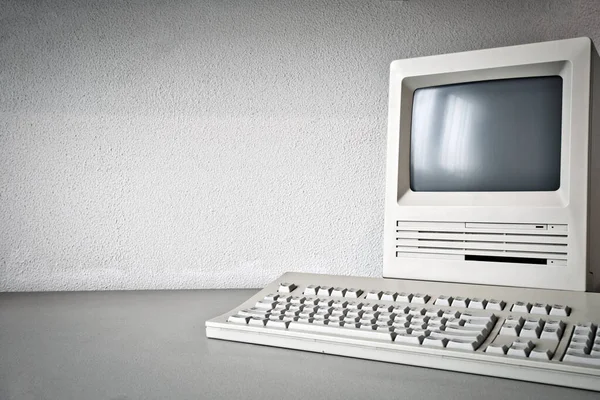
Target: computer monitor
point(487, 167)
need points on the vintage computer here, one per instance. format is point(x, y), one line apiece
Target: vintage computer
point(488, 233)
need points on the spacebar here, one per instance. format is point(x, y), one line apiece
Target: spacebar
point(356, 333)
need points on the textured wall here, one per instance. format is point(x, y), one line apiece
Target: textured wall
point(188, 144)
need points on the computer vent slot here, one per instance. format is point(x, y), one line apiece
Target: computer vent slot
point(494, 243)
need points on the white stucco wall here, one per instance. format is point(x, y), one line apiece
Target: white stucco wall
point(199, 144)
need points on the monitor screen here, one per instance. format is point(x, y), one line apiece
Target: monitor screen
point(487, 136)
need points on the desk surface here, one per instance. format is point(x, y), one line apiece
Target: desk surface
point(151, 345)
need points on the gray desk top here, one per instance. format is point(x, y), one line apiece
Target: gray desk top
point(151, 345)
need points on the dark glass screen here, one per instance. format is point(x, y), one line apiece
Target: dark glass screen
point(502, 135)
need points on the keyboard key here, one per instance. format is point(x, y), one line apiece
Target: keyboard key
point(457, 334)
point(355, 313)
point(530, 332)
point(312, 308)
point(265, 304)
point(368, 320)
point(435, 341)
point(284, 298)
point(353, 293)
point(297, 300)
point(277, 310)
point(403, 317)
point(271, 297)
point(339, 304)
point(311, 301)
point(494, 304)
point(373, 295)
point(386, 314)
point(510, 329)
point(257, 321)
point(372, 332)
point(578, 349)
point(444, 301)
point(339, 311)
point(478, 325)
point(515, 320)
point(351, 319)
point(322, 310)
point(310, 327)
point(368, 306)
point(521, 306)
point(533, 322)
point(311, 290)
point(400, 311)
point(497, 349)
point(371, 313)
point(416, 311)
point(409, 338)
point(238, 319)
point(339, 292)
point(563, 311)
point(419, 319)
point(434, 313)
point(451, 314)
point(385, 308)
point(461, 331)
point(478, 304)
point(585, 326)
point(541, 354)
point(306, 314)
point(352, 305)
point(551, 333)
point(455, 322)
point(461, 344)
point(581, 340)
point(290, 314)
point(326, 302)
point(540, 308)
point(520, 348)
point(580, 335)
point(461, 302)
point(303, 320)
point(420, 331)
point(555, 324)
point(418, 325)
point(286, 287)
point(477, 317)
point(401, 324)
point(366, 325)
point(420, 298)
point(438, 321)
point(324, 290)
point(253, 311)
point(277, 324)
point(582, 359)
point(404, 297)
point(389, 296)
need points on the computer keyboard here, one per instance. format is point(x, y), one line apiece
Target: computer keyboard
point(535, 335)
